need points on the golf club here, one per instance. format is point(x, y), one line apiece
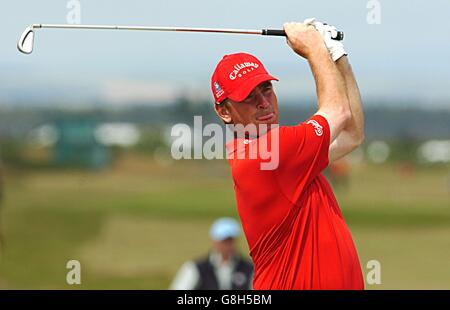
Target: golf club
point(26, 41)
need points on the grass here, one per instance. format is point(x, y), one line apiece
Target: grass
point(132, 226)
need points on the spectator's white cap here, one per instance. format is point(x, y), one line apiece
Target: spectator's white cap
point(224, 228)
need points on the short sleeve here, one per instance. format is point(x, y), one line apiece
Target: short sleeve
point(303, 154)
point(186, 278)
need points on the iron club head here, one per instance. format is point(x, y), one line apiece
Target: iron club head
point(26, 41)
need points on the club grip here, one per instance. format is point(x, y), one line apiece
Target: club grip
point(273, 32)
point(276, 32)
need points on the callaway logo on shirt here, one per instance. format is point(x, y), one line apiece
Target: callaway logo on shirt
point(317, 127)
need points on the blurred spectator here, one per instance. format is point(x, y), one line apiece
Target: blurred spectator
point(222, 269)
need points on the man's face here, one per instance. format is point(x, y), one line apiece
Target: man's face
point(226, 248)
point(260, 107)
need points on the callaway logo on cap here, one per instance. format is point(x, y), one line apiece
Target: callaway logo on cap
point(236, 75)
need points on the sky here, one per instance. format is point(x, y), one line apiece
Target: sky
point(402, 60)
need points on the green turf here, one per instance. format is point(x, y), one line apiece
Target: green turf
point(132, 226)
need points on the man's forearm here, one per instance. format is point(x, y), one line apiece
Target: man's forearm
point(330, 85)
point(354, 127)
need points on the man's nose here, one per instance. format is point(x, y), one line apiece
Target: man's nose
point(262, 101)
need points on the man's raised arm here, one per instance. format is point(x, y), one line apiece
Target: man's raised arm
point(331, 90)
point(352, 135)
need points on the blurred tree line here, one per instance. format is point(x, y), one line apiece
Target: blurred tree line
point(403, 129)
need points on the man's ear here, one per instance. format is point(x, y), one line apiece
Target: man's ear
point(223, 112)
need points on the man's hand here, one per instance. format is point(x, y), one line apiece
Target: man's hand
point(335, 47)
point(304, 39)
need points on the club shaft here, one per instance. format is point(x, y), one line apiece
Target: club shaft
point(145, 28)
point(339, 35)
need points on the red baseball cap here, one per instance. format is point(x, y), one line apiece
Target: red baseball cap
point(236, 75)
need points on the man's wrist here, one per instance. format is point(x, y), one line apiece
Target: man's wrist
point(343, 61)
point(343, 64)
point(319, 55)
point(337, 53)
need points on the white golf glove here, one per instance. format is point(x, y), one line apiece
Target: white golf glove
point(335, 47)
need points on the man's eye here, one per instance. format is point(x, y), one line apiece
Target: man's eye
point(249, 97)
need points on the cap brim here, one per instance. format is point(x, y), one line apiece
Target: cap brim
point(222, 238)
point(246, 88)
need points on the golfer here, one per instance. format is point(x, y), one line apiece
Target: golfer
point(292, 222)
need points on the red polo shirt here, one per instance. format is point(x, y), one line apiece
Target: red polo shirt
point(294, 228)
